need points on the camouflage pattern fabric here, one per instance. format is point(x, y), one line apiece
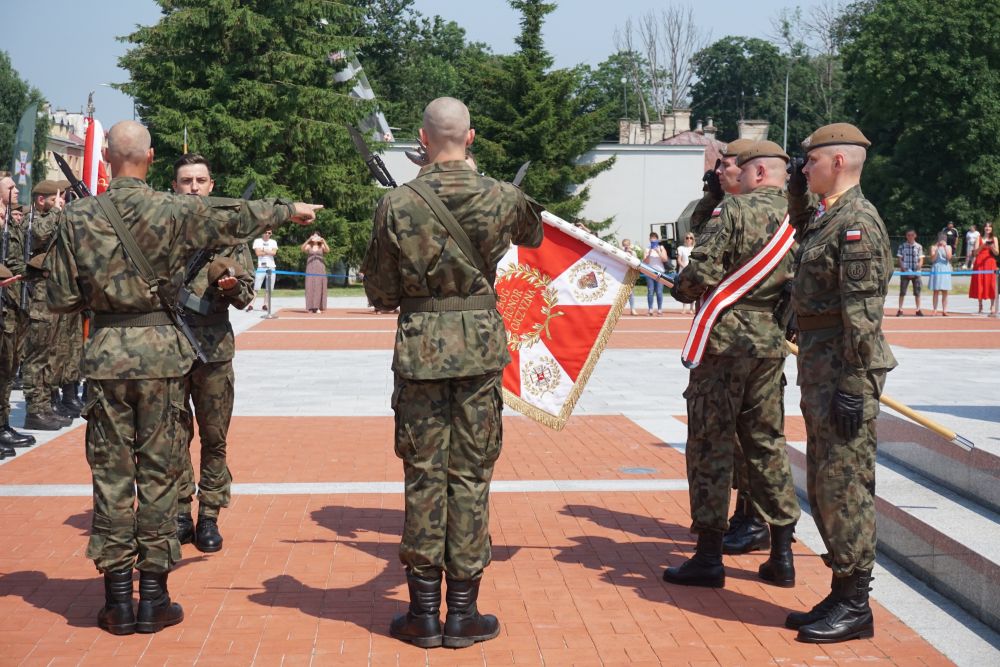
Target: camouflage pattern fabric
point(412, 255)
point(447, 365)
point(12, 315)
point(38, 367)
point(138, 426)
point(68, 350)
point(212, 391)
point(136, 433)
point(449, 434)
point(735, 396)
point(845, 279)
point(703, 211)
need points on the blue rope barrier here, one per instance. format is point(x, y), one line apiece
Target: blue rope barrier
point(943, 273)
point(299, 273)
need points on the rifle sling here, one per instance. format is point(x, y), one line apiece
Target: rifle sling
point(128, 242)
point(446, 218)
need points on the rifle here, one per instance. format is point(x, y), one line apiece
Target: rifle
point(374, 163)
point(249, 190)
point(4, 245)
point(79, 188)
point(27, 255)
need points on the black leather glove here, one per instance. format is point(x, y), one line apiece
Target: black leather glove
point(712, 183)
point(848, 413)
point(797, 183)
point(792, 329)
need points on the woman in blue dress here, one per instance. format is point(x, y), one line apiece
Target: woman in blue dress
point(941, 273)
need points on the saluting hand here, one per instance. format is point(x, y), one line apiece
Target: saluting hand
point(226, 282)
point(305, 213)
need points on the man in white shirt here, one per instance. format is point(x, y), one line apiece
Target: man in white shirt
point(971, 241)
point(265, 248)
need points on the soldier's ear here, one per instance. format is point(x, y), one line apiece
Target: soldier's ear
point(471, 137)
point(150, 154)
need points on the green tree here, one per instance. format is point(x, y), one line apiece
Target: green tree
point(924, 79)
point(252, 81)
point(738, 79)
point(604, 94)
point(523, 110)
point(15, 96)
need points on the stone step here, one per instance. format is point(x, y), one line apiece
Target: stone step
point(974, 475)
point(946, 540)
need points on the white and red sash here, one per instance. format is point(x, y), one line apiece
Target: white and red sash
point(732, 288)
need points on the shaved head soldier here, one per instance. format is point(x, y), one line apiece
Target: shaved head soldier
point(433, 254)
point(736, 393)
point(225, 278)
point(842, 273)
point(120, 255)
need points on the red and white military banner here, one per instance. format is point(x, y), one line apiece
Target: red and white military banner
point(95, 175)
point(560, 303)
point(732, 288)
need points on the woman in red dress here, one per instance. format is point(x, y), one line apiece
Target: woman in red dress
point(984, 285)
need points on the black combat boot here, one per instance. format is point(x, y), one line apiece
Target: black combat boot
point(45, 421)
point(705, 567)
point(749, 535)
point(206, 537)
point(6, 451)
point(71, 397)
point(118, 616)
point(463, 624)
point(797, 619)
point(739, 514)
point(850, 617)
point(14, 438)
point(421, 624)
point(185, 528)
point(60, 408)
point(779, 569)
point(156, 611)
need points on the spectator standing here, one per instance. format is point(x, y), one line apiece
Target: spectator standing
point(315, 248)
point(940, 281)
point(911, 260)
point(983, 286)
point(683, 257)
point(971, 245)
point(951, 237)
point(627, 247)
point(266, 248)
point(656, 257)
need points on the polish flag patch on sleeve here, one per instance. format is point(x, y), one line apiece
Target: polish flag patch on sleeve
point(853, 235)
point(717, 211)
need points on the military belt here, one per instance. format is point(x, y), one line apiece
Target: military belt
point(756, 307)
point(817, 322)
point(209, 320)
point(154, 319)
point(430, 304)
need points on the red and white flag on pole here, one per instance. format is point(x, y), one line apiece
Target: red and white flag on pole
point(560, 303)
point(95, 175)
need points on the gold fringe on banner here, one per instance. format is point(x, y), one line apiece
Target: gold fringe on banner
point(557, 422)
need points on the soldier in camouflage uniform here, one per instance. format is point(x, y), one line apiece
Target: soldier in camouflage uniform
point(136, 363)
point(66, 357)
point(747, 531)
point(842, 273)
point(14, 262)
point(450, 352)
point(212, 384)
point(737, 391)
point(38, 364)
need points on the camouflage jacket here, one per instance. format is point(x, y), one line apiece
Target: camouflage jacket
point(88, 268)
point(842, 270)
point(706, 209)
point(43, 229)
point(412, 255)
point(15, 262)
point(745, 224)
point(217, 340)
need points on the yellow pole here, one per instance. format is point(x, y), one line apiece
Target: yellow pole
point(912, 414)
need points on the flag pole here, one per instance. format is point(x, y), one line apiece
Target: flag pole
point(913, 415)
point(598, 243)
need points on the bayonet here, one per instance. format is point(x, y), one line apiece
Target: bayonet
point(79, 188)
point(520, 174)
point(374, 163)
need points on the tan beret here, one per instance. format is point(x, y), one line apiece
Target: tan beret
point(63, 185)
point(734, 148)
point(761, 149)
point(45, 188)
point(37, 261)
point(5, 273)
point(221, 267)
point(836, 134)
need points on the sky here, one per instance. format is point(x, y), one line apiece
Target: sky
point(66, 49)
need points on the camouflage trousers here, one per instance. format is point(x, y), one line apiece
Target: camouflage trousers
point(738, 403)
point(211, 387)
point(840, 476)
point(36, 366)
point(137, 431)
point(448, 434)
point(8, 360)
point(68, 349)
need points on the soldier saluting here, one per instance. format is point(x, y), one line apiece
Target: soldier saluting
point(842, 273)
point(433, 254)
point(121, 254)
